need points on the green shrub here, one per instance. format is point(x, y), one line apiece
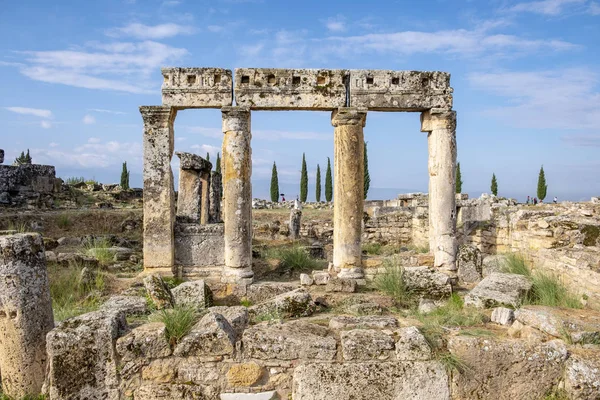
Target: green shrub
point(73, 180)
point(372, 248)
point(99, 248)
point(391, 282)
point(172, 281)
point(71, 297)
point(557, 394)
point(515, 264)
point(20, 227)
point(178, 322)
point(64, 221)
point(294, 258)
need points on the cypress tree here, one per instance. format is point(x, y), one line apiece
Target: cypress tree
point(207, 156)
point(367, 176)
point(318, 188)
point(494, 186)
point(459, 181)
point(218, 164)
point(28, 158)
point(125, 177)
point(328, 182)
point(303, 181)
point(274, 184)
point(542, 187)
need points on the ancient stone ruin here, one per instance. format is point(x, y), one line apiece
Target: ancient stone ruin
point(186, 242)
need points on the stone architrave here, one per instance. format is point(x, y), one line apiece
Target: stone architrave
point(348, 196)
point(441, 129)
point(159, 201)
point(236, 167)
point(194, 181)
point(215, 197)
point(25, 314)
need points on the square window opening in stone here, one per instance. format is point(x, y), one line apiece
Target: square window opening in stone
point(245, 79)
point(295, 80)
point(191, 79)
point(369, 80)
point(166, 78)
point(217, 78)
point(395, 81)
point(321, 80)
point(271, 79)
point(425, 82)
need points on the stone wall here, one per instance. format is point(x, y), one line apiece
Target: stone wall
point(28, 184)
point(199, 249)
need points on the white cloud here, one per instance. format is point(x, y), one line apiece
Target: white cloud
point(336, 24)
point(142, 31)
point(94, 140)
point(170, 3)
point(53, 144)
point(583, 140)
point(553, 99)
point(101, 110)
point(46, 124)
point(89, 119)
point(38, 112)
point(202, 149)
point(594, 8)
point(215, 28)
point(546, 7)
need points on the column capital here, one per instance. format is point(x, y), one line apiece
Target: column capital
point(349, 116)
point(438, 119)
point(159, 116)
point(235, 118)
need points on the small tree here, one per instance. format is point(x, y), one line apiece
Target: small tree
point(367, 176)
point(23, 158)
point(274, 184)
point(542, 187)
point(27, 158)
point(303, 181)
point(125, 177)
point(494, 186)
point(318, 187)
point(218, 164)
point(459, 181)
point(328, 182)
point(207, 156)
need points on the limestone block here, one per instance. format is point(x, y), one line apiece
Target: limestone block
point(261, 292)
point(424, 380)
point(215, 196)
point(427, 282)
point(493, 263)
point(158, 291)
point(366, 344)
point(153, 391)
point(237, 316)
point(197, 87)
point(299, 89)
point(146, 341)
point(321, 277)
point(246, 374)
point(211, 336)
point(503, 316)
point(306, 280)
point(367, 321)
point(499, 289)
point(130, 305)
point(295, 219)
point(412, 345)
point(341, 285)
point(581, 326)
point(365, 309)
point(529, 370)
point(194, 162)
point(469, 262)
point(384, 90)
point(25, 314)
point(582, 375)
point(82, 357)
point(297, 303)
point(288, 341)
point(272, 395)
point(194, 294)
point(199, 245)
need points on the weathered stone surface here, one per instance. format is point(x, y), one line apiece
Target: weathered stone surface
point(215, 196)
point(493, 263)
point(245, 374)
point(368, 321)
point(295, 223)
point(193, 162)
point(147, 341)
point(341, 285)
point(197, 87)
point(272, 395)
point(27, 178)
point(211, 336)
point(194, 294)
point(412, 345)
point(71, 259)
point(237, 316)
point(348, 143)
point(130, 305)
point(582, 375)
point(158, 291)
point(427, 282)
point(321, 277)
point(425, 380)
point(503, 316)
point(306, 280)
point(152, 391)
point(499, 289)
point(82, 357)
point(188, 196)
point(469, 262)
point(299, 89)
point(506, 369)
point(366, 344)
point(289, 341)
point(25, 314)
point(296, 303)
point(365, 309)
point(582, 326)
point(263, 291)
point(199, 245)
point(384, 90)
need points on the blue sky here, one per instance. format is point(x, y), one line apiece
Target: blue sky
point(525, 76)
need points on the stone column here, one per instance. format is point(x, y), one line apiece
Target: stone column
point(204, 196)
point(236, 165)
point(192, 199)
point(215, 196)
point(441, 128)
point(348, 189)
point(159, 201)
point(25, 314)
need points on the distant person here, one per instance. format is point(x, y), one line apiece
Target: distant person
point(535, 201)
point(282, 197)
point(555, 200)
point(528, 200)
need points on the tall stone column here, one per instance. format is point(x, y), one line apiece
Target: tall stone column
point(441, 128)
point(215, 197)
point(348, 198)
point(204, 196)
point(159, 200)
point(25, 314)
point(236, 167)
point(192, 199)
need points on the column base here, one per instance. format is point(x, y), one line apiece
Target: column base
point(237, 275)
point(351, 273)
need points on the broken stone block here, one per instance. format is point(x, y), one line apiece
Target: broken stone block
point(365, 309)
point(211, 336)
point(158, 291)
point(306, 280)
point(493, 263)
point(341, 285)
point(199, 245)
point(261, 292)
point(195, 294)
point(428, 282)
point(426, 306)
point(503, 316)
point(82, 356)
point(237, 316)
point(321, 277)
point(366, 344)
point(295, 223)
point(469, 262)
point(582, 374)
point(296, 303)
point(146, 341)
point(499, 289)
point(288, 341)
point(422, 380)
point(154, 391)
point(130, 305)
point(584, 327)
point(197, 87)
point(244, 375)
point(412, 345)
point(368, 321)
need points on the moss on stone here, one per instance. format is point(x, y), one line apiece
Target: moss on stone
point(591, 234)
